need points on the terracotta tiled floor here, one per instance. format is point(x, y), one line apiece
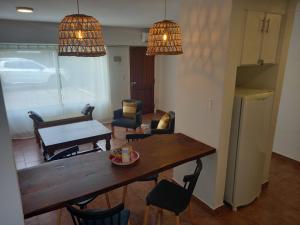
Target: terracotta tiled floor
point(279, 203)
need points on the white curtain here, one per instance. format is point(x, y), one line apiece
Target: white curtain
point(86, 80)
point(35, 78)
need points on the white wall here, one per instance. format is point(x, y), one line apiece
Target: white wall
point(10, 208)
point(119, 75)
point(200, 89)
point(123, 36)
point(47, 33)
point(287, 141)
point(165, 82)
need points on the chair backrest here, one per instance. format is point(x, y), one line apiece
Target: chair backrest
point(171, 126)
point(95, 217)
point(35, 117)
point(191, 180)
point(65, 153)
point(139, 104)
point(88, 110)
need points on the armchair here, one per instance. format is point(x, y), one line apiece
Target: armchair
point(153, 129)
point(120, 120)
point(168, 130)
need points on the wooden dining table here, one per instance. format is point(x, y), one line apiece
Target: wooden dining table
point(52, 185)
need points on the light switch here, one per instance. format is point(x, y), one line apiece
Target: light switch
point(117, 59)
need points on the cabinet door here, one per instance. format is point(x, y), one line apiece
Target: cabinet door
point(270, 38)
point(252, 37)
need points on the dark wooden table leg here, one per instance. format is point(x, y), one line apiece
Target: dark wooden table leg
point(47, 153)
point(43, 150)
point(95, 145)
point(50, 153)
point(45, 156)
point(108, 146)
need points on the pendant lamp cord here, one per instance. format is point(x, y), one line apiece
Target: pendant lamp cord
point(165, 9)
point(77, 7)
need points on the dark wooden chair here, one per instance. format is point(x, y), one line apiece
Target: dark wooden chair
point(71, 152)
point(39, 122)
point(120, 121)
point(153, 129)
point(114, 216)
point(173, 197)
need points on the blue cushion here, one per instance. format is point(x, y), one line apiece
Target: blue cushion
point(124, 122)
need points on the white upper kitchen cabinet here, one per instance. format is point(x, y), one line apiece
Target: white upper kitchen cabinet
point(252, 37)
point(270, 38)
point(260, 38)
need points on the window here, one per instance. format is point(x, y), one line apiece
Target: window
point(31, 65)
point(51, 85)
point(12, 64)
point(22, 63)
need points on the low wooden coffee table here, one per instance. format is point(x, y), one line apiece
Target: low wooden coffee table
point(68, 135)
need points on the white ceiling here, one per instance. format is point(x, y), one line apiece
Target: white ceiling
point(129, 13)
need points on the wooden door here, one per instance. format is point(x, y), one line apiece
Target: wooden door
point(252, 37)
point(271, 38)
point(142, 77)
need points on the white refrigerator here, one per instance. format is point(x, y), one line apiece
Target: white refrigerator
point(249, 156)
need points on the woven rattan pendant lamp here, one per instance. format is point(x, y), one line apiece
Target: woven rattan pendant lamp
point(165, 37)
point(80, 35)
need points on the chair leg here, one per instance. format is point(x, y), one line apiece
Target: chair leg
point(38, 141)
point(177, 220)
point(146, 215)
point(107, 200)
point(190, 213)
point(124, 194)
point(113, 131)
point(157, 216)
point(58, 221)
point(161, 217)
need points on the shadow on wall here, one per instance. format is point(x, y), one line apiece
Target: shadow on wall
point(205, 39)
point(202, 67)
point(200, 88)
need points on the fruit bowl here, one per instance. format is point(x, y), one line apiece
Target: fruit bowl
point(116, 157)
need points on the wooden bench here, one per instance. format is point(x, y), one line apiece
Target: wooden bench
point(38, 122)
